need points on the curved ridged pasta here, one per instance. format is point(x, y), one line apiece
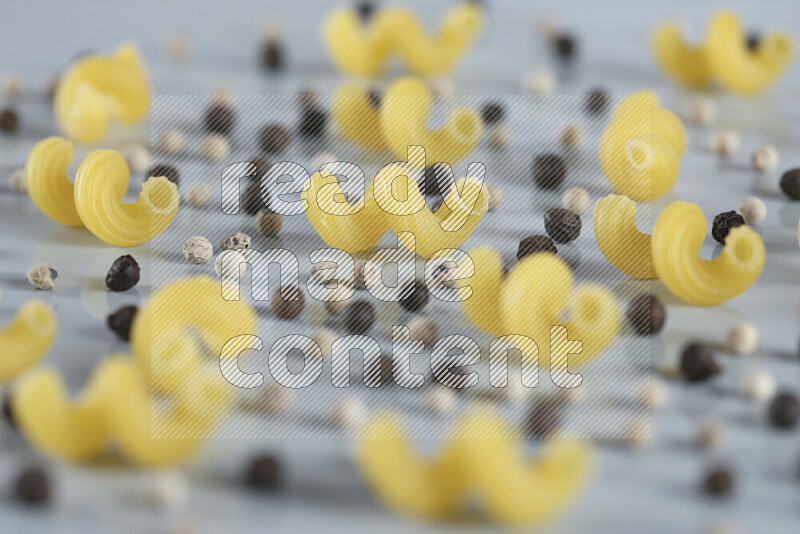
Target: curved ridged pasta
point(27, 339)
point(99, 89)
point(100, 185)
point(115, 407)
point(350, 228)
point(679, 233)
point(622, 244)
point(363, 49)
point(483, 457)
point(735, 66)
point(405, 110)
point(684, 62)
point(47, 181)
point(357, 118)
point(447, 228)
point(641, 148)
point(533, 297)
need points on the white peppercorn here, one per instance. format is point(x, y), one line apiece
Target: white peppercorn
point(230, 257)
point(753, 210)
point(539, 82)
point(269, 223)
point(16, 181)
point(726, 142)
point(168, 490)
point(443, 86)
point(197, 249)
point(42, 276)
point(198, 196)
point(179, 47)
point(237, 241)
point(638, 433)
point(499, 136)
point(653, 393)
point(12, 85)
point(172, 142)
point(423, 328)
point(440, 399)
point(214, 147)
point(348, 413)
point(324, 338)
point(759, 385)
point(570, 136)
point(495, 196)
point(335, 306)
point(137, 156)
point(709, 434)
point(576, 200)
point(702, 110)
point(321, 159)
point(275, 398)
point(765, 158)
point(743, 338)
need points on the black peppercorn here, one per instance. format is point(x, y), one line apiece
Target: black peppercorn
point(596, 101)
point(562, 225)
point(543, 418)
point(549, 171)
point(564, 46)
point(251, 200)
point(718, 482)
point(358, 317)
point(723, 224)
point(123, 274)
point(312, 122)
point(262, 168)
point(533, 244)
point(434, 180)
point(263, 473)
point(9, 121)
point(415, 296)
point(365, 10)
point(290, 307)
point(169, 171)
point(220, 119)
point(272, 55)
point(790, 184)
point(308, 99)
point(753, 39)
point(120, 321)
point(492, 113)
point(274, 138)
point(646, 315)
point(385, 373)
point(374, 99)
point(32, 487)
point(784, 410)
point(698, 363)
point(7, 410)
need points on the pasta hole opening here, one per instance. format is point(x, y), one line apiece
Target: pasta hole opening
point(160, 194)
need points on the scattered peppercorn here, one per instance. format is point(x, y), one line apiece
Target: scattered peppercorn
point(272, 55)
point(220, 119)
point(308, 99)
point(214, 147)
point(385, 370)
point(198, 195)
point(533, 244)
point(646, 315)
point(790, 183)
point(313, 122)
point(434, 180)
point(358, 317)
point(415, 296)
point(543, 418)
point(564, 46)
point(374, 98)
point(32, 487)
point(172, 142)
point(765, 158)
point(123, 274)
point(365, 10)
point(120, 321)
point(492, 112)
point(252, 200)
point(9, 120)
point(562, 225)
point(698, 363)
point(238, 241)
point(291, 306)
point(549, 171)
point(274, 138)
point(170, 172)
point(197, 249)
point(784, 410)
point(262, 167)
point(269, 223)
point(42, 276)
point(423, 328)
point(752, 209)
point(718, 482)
point(263, 473)
point(7, 411)
point(723, 223)
point(753, 38)
point(596, 101)
point(576, 200)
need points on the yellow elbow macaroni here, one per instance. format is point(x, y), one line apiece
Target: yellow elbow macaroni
point(364, 49)
point(641, 148)
point(405, 112)
point(677, 237)
point(723, 56)
point(100, 186)
point(47, 182)
point(533, 297)
point(622, 244)
point(27, 339)
point(100, 89)
point(357, 118)
point(482, 457)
